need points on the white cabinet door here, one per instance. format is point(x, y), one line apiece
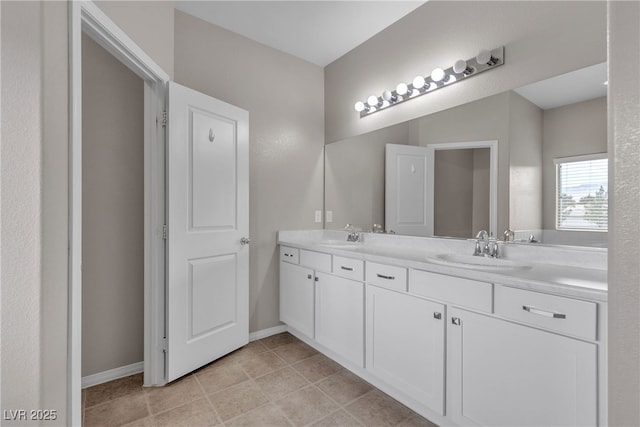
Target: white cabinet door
point(207, 312)
point(340, 316)
point(504, 374)
point(405, 344)
point(296, 297)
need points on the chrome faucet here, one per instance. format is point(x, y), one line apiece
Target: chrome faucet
point(486, 245)
point(482, 242)
point(508, 235)
point(353, 235)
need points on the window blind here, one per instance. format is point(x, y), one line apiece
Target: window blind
point(582, 193)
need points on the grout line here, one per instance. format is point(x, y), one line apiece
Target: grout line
point(213, 407)
point(146, 400)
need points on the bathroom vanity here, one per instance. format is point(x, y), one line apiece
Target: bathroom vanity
point(462, 340)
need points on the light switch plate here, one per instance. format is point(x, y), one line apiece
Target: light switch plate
point(329, 216)
point(318, 216)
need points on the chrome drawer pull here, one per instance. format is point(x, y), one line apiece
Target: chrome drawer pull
point(346, 268)
point(544, 313)
point(288, 254)
point(382, 276)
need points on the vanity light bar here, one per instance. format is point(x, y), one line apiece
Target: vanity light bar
point(439, 78)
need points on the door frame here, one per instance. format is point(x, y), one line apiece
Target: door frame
point(85, 16)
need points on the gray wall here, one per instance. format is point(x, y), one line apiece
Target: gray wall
point(624, 228)
point(570, 130)
point(525, 165)
point(284, 97)
point(531, 31)
point(149, 24)
point(21, 159)
point(33, 220)
point(112, 212)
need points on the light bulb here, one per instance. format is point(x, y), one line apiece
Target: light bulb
point(402, 89)
point(437, 74)
point(483, 57)
point(372, 100)
point(388, 96)
point(460, 66)
point(359, 106)
point(418, 82)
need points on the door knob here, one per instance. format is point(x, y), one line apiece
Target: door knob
point(245, 241)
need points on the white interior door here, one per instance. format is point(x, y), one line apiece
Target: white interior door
point(408, 178)
point(208, 219)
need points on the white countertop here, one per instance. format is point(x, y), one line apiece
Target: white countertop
point(578, 273)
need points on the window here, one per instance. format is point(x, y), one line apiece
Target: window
point(582, 193)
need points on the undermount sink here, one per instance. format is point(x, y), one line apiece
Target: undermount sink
point(477, 262)
point(340, 244)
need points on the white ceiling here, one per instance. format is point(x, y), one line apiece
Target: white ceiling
point(317, 31)
point(576, 86)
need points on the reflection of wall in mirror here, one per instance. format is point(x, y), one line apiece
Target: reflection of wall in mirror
point(517, 126)
point(354, 176)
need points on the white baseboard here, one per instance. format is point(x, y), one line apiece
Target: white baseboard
point(264, 333)
point(112, 374)
point(136, 368)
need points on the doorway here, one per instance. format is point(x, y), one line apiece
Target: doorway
point(86, 18)
point(112, 216)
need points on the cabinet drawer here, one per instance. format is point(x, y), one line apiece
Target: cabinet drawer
point(288, 254)
point(386, 276)
point(566, 315)
point(315, 260)
point(348, 268)
point(455, 290)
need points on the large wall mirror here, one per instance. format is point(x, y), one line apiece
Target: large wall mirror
point(536, 128)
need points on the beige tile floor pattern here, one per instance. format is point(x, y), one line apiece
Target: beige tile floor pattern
point(276, 381)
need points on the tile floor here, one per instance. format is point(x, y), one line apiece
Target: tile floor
point(276, 381)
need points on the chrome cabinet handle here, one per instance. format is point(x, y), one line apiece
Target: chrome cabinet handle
point(437, 315)
point(245, 241)
point(309, 276)
point(316, 279)
point(290, 255)
point(346, 268)
point(544, 313)
point(456, 321)
point(382, 276)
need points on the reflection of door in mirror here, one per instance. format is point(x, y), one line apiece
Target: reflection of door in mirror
point(461, 192)
point(445, 189)
point(408, 201)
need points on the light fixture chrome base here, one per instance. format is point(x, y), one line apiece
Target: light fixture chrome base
point(451, 77)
